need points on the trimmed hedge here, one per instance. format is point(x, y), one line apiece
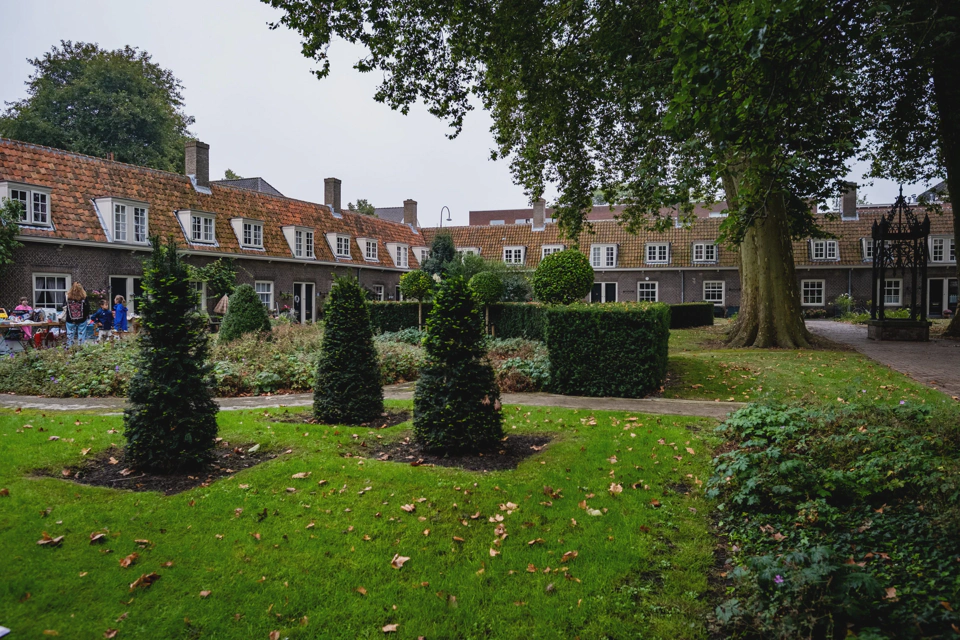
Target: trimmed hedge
point(617, 349)
point(517, 320)
point(395, 316)
point(691, 314)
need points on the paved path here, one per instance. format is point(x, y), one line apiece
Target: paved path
point(935, 363)
point(703, 408)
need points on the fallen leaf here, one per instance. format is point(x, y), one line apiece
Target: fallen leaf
point(457, 539)
point(426, 532)
point(145, 580)
point(891, 593)
point(142, 543)
point(389, 628)
point(110, 633)
point(53, 438)
point(4, 492)
point(409, 508)
point(274, 635)
point(129, 560)
point(98, 537)
point(301, 475)
point(361, 591)
point(494, 553)
point(112, 460)
point(204, 594)
point(536, 541)
point(654, 503)
point(46, 540)
point(615, 488)
point(691, 451)
point(398, 561)
point(569, 555)
point(594, 512)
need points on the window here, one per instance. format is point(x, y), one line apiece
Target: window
point(497, 222)
point(603, 256)
point(824, 250)
point(34, 203)
point(378, 292)
point(647, 291)
point(202, 229)
point(513, 255)
point(50, 291)
point(811, 292)
point(549, 249)
point(139, 224)
point(252, 234)
point(713, 292)
point(308, 243)
point(422, 254)
point(302, 243)
point(604, 292)
point(658, 253)
point(370, 250)
point(468, 251)
point(942, 250)
point(201, 289)
point(342, 247)
point(120, 222)
point(866, 245)
point(704, 252)
point(265, 291)
point(891, 292)
point(403, 256)
point(952, 253)
point(521, 221)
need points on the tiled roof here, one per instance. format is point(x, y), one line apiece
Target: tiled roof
point(492, 239)
point(76, 180)
point(254, 184)
point(598, 212)
point(390, 213)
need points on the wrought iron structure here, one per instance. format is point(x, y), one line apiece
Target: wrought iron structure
point(899, 247)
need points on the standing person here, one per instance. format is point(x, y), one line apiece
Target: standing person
point(76, 313)
point(25, 306)
point(103, 318)
point(119, 314)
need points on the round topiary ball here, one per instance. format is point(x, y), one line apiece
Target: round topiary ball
point(563, 278)
point(245, 314)
point(487, 287)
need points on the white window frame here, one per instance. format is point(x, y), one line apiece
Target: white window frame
point(866, 249)
point(141, 224)
point(125, 221)
point(266, 295)
point(199, 232)
point(947, 249)
point(202, 289)
point(647, 286)
point(494, 223)
point(705, 249)
point(549, 249)
point(302, 241)
point(804, 289)
point(379, 293)
point(371, 250)
point(119, 222)
point(468, 251)
point(514, 254)
point(33, 279)
point(401, 256)
point(660, 251)
point(604, 256)
point(36, 203)
point(422, 254)
point(883, 292)
point(253, 239)
point(723, 292)
point(603, 292)
point(341, 245)
point(828, 250)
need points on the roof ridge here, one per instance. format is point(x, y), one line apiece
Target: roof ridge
point(75, 154)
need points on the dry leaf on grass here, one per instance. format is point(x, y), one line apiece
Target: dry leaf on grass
point(46, 540)
point(615, 488)
point(389, 628)
point(110, 633)
point(409, 508)
point(274, 635)
point(129, 560)
point(144, 580)
point(361, 591)
point(301, 475)
point(204, 594)
point(398, 561)
point(494, 553)
point(569, 555)
point(98, 537)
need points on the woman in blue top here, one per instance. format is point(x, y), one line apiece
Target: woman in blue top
point(119, 314)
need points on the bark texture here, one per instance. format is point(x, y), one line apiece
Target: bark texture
point(769, 313)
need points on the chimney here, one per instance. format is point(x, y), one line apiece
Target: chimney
point(410, 212)
point(197, 162)
point(539, 207)
point(848, 201)
point(331, 193)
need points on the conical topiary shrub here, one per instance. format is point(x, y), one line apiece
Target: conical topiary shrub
point(348, 388)
point(245, 314)
point(172, 420)
point(456, 407)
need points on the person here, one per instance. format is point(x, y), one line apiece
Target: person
point(76, 314)
point(119, 314)
point(25, 306)
point(103, 318)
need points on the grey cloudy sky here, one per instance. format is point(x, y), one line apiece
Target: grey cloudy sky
point(263, 114)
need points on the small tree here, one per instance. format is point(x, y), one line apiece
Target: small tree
point(348, 388)
point(245, 314)
point(172, 420)
point(563, 277)
point(220, 276)
point(9, 230)
point(456, 406)
point(231, 175)
point(487, 288)
point(416, 285)
point(443, 253)
point(363, 206)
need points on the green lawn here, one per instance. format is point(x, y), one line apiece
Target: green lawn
point(640, 570)
point(699, 368)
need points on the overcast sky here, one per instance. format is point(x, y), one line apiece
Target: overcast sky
point(263, 114)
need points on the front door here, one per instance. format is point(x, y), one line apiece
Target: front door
point(303, 301)
point(936, 297)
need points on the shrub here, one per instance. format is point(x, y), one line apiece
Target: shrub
point(416, 285)
point(456, 407)
point(844, 303)
point(395, 316)
point(845, 519)
point(617, 349)
point(691, 314)
point(443, 253)
point(172, 420)
point(347, 389)
point(563, 277)
point(487, 288)
point(517, 320)
point(245, 314)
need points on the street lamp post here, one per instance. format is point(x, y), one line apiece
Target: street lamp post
point(449, 219)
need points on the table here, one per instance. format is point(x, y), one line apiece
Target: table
point(42, 336)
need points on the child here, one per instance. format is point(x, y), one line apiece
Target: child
point(104, 320)
point(25, 306)
point(119, 314)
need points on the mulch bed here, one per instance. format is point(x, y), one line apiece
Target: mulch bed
point(512, 451)
point(390, 418)
point(111, 469)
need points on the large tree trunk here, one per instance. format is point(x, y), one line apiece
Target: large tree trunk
point(769, 313)
point(946, 84)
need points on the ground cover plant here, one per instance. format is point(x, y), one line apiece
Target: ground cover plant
point(700, 368)
point(305, 544)
point(841, 521)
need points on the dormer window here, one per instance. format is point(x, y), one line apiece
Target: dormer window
point(942, 249)
point(866, 247)
point(34, 202)
point(124, 220)
point(514, 255)
point(300, 240)
point(549, 249)
point(421, 253)
point(400, 254)
point(249, 233)
point(339, 244)
point(824, 250)
point(658, 253)
point(468, 251)
point(603, 256)
point(704, 252)
point(369, 249)
point(202, 228)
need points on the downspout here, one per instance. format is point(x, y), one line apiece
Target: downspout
point(850, 283)
point(683, 297)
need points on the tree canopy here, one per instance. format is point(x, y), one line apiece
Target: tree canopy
point(363, 206)
point(89, 100)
